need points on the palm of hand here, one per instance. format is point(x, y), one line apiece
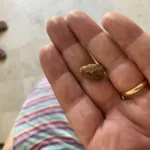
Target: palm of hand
point(125, 128)
point(100, 118)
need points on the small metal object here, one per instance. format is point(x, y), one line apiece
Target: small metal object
point(3, 26)
point(135, 89)
point(2, 55)
point(93, 71)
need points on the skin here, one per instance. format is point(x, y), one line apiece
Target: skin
point(100, 118)
point(9, 142)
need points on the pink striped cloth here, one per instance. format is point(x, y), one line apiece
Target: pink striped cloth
point(42, 125)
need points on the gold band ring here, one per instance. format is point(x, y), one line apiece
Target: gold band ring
point(135, 89)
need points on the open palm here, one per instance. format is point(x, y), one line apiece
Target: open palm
point(100, 118)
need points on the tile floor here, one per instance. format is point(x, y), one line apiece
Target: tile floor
point(26, 35)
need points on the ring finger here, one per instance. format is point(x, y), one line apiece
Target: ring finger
point(105, 51)
point(131, 38)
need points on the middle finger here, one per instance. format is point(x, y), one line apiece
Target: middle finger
point(76, 56)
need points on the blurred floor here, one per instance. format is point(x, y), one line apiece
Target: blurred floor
point(26, 35)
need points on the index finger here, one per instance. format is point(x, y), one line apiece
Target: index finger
point(83, 115)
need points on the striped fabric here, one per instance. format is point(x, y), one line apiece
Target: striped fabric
point(42, 125)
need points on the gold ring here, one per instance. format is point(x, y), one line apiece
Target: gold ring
point(135, 89)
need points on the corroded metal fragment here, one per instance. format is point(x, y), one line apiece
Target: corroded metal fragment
point(93, 71)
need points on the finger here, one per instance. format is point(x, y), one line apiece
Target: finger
point(105, 51)
point(131, 38)
point(76, 56)
point(80, 110)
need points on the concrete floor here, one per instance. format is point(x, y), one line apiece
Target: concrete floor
point(26, 35)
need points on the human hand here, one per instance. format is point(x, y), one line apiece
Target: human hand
point(95, 110)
